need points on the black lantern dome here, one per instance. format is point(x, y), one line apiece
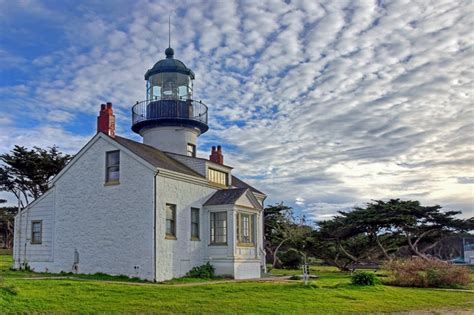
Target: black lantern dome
point(169, 99)
point(169, 65)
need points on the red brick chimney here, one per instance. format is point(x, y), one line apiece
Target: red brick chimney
point(106, 120)
point(216, 155)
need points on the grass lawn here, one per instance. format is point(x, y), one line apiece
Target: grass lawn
point(331, 293)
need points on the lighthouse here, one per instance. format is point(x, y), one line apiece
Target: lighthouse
point(169, 119)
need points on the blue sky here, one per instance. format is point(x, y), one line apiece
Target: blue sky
point(322, 104)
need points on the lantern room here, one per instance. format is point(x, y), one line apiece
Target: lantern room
point(169, 79)
point(169, 118)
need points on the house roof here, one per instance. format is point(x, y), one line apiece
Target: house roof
point(160, 159)
point(237, 182)
point(155, 157)
point(226, 196)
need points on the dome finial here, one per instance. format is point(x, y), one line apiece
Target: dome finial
point(169, 52)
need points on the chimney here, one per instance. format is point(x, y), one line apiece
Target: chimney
point(216, 155)
point(106, 120)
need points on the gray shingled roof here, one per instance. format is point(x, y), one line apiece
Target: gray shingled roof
point(225, 196)
point(155, 157)
point(159, 159)
point(237, 182)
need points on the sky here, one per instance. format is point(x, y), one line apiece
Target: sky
point(324, 105)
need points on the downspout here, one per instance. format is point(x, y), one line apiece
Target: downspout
point(25, 261)
point(154, 225)
point(18, 241)
point(264, 256)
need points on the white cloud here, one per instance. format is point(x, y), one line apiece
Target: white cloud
point(338, 102)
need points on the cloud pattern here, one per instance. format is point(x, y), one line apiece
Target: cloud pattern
point(322, 104)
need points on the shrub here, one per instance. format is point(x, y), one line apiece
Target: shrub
point(417, 272)
point(205, 271)
point(291, 259)
point(364, 278)
point(294, 277)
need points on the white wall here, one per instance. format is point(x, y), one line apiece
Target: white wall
point(110, 226)
point(174, 258)
point(35, 254)
point(170, 139)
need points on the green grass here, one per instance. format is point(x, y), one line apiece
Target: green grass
point(330, 294)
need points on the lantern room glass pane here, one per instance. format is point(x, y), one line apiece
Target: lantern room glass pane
point(169, 86)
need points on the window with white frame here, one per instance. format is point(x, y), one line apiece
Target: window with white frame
point(245, 228)
point(170, 220)
point(36, 232)
point(218, 227)
point(112, 161)
point(194, 223)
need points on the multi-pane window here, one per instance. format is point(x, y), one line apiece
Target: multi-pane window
point(194, 223)
point(36, 231)
point(218, 227)
point(216, 176)
point(170, 220)
point(245, 228)
point(191, 150)
point(112, 173)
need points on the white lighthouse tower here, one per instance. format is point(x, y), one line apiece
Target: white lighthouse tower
point(169, 119)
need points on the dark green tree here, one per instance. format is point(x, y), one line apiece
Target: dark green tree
point(283, 228)
point(423, 226)
point(7, 217)
point(391, 224)
point(26, 173)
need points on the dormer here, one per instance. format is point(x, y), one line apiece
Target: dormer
point(218, 175)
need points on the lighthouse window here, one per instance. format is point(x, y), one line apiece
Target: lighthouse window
point(191, 150)
point(216, 176)
point(112, 174)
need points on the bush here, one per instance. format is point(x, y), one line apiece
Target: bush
point(294, 277)
point(205, 271)
point(364, 278)
point(291, 259)
point(417, 272)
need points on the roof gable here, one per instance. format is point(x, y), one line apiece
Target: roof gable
point(234, 196)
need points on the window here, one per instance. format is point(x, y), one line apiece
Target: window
point(217, 177)
point(171, 220)
point(112, 174)
point(191, 151)
point(245, 228)
point(218, 227)
point(195, 223)
point(36, 232)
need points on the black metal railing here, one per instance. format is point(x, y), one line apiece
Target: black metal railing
point(155, 110)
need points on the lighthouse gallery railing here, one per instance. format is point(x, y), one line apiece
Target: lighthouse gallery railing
point(169, 109)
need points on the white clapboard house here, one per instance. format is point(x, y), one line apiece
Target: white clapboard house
point(151, 210)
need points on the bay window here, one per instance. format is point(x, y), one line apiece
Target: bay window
point(218, 228)
point(245, 228)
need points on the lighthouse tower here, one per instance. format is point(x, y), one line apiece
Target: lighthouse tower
point(169, 119)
